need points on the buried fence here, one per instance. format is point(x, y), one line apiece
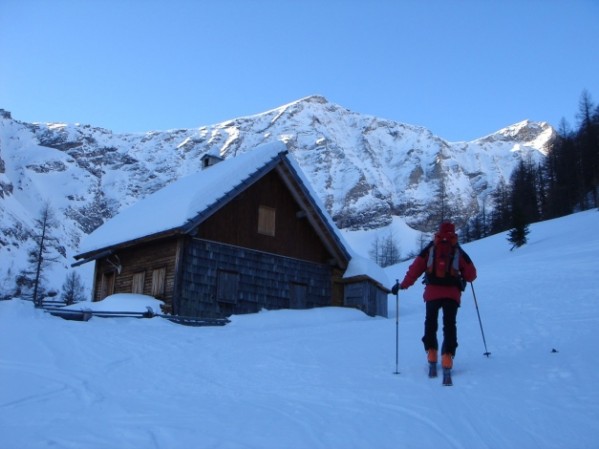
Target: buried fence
point(86, 314)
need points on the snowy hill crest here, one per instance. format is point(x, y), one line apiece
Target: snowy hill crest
point(365, 169)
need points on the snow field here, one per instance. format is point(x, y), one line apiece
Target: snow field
point(323, 378)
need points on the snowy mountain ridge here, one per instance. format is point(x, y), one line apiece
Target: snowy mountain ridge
point(368, 171)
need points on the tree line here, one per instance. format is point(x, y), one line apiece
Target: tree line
point(567, 181)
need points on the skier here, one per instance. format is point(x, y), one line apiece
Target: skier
point(447, 269)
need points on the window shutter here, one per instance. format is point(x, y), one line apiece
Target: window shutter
point(158, 282)
point(137, 284)
point(266, 220)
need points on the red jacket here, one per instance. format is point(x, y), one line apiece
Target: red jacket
point(432, 292)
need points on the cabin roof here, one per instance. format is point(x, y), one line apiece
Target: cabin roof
point(184, 204)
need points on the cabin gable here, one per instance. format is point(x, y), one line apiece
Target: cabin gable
point(266, 217)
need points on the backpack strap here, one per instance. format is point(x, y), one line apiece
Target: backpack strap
point(455, 263)
point(430, 261)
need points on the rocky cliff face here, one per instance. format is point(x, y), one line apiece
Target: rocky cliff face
point(365, 169)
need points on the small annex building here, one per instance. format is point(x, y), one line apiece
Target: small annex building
point(243, 234)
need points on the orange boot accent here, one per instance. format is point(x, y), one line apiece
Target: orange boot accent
point(431, 356)
point(447, 361)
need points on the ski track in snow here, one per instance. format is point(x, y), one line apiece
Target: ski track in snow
point(323, 378)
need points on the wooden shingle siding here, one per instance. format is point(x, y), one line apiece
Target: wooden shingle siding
point(265, 280)
point(364, 295)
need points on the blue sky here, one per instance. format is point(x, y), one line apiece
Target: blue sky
point(461, 68)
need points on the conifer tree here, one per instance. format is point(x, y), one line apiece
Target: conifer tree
point(72, 289)
point(500, 216)
point(572, 166)
point(41, 254)
point(518, 235)
point(588, 148)
point(524, 192)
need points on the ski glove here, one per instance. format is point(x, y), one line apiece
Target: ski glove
point(395, 288)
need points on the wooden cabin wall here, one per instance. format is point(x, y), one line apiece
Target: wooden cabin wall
point(262, 280)
point(380, 298)
point(366, 296)
point(140, 259)
point(237, 223)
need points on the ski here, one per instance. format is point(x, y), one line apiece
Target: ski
point(432, 369)
point(447, 377)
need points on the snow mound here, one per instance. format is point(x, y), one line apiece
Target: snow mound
point(289, 319)
point(120, 302)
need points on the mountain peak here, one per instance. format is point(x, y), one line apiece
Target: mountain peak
point(305, 102)
point(538, 135)
point(317, 99)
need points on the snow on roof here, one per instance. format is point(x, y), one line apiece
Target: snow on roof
point(360, 266)
point(181, 201)
point(176, 204)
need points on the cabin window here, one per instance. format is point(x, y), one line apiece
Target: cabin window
point(159, 282)
point(137, 283)
point(266, 220)
point(227, 286)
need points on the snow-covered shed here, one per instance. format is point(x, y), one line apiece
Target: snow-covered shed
point(243, 234)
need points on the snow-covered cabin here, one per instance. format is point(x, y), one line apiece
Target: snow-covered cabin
point(240, 235)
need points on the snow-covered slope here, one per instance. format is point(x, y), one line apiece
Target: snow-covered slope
point(323, 378)
point(367, 171)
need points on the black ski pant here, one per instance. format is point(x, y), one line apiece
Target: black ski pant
point(450, 333)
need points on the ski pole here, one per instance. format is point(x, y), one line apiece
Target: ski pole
point(397, 330)
point(487, 353)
